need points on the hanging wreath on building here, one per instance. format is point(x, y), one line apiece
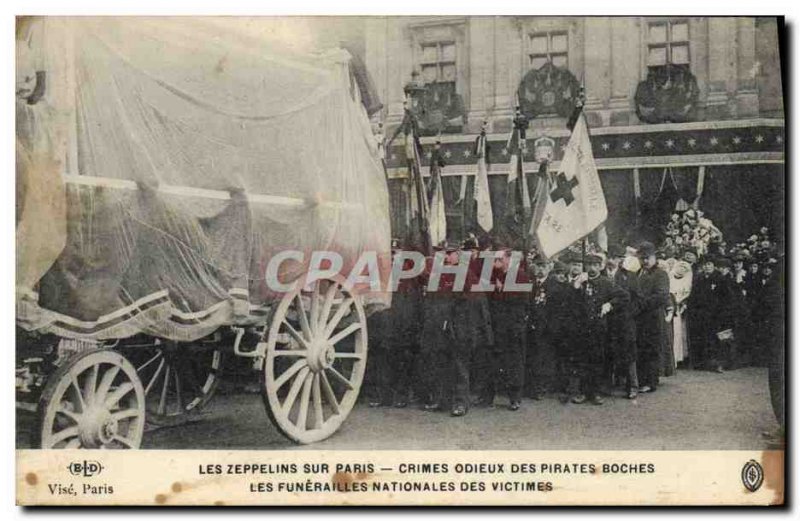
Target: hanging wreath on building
point(669, 94)
point(548, 91)
point(439, 109)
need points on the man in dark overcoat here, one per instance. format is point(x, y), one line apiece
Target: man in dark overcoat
point(394, 343)
point(448, 337)
point(597, 296)
point(621, 325)
point(508, 308)
point(543, 327)
point(649, 313)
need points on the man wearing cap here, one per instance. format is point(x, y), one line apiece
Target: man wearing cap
point(436, 332)
point(482, 357)
point(394, 342)
point(448, 336)
point(649, 306)
point(597, 296)
point(561, 305)
point(544, 302)
point(574, 262)
point(621, 326)
point(568, 271)
point(508, 307)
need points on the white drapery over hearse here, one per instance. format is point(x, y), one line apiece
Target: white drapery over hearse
point(168, 163)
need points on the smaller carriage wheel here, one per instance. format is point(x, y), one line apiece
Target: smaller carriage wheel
point(315, 360)
point(93, 401)
point(178, 379)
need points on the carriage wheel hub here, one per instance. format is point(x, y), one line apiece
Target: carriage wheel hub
point(98, 428)
point(321, 356)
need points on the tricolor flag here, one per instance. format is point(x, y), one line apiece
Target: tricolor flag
point(573, 204)
point(481, 193)
point(437, 223)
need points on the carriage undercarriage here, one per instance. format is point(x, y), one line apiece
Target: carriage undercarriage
point(311, 355)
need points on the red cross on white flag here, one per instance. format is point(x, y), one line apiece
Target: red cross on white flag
point(574, 204)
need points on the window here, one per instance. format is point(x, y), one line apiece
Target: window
point(551, 46)
point(438, 62)
point(668, 42)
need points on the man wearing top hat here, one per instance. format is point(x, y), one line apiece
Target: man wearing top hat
point(649, 311)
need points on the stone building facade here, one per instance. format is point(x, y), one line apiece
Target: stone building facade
point(680, 108)
point(734, 60)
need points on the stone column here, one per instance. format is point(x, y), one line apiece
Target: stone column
point(698, 56)
point(506, 58)
point(721, 67)
point(389, 58)
point(746, 90)
point(597, 65)
point(481, 61)
point(625, 68)
point(376, 44)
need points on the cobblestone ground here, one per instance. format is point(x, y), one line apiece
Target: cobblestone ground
point(692, 410)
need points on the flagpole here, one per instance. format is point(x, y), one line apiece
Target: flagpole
point(581, 101)
point(520, 171)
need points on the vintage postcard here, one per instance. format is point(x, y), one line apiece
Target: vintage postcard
point(400, 260)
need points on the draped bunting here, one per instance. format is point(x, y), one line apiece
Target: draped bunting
point(669, 141)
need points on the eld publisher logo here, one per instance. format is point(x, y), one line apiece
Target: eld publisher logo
point(85, 468)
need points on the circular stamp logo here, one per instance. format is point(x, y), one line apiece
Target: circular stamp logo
point(752, 475)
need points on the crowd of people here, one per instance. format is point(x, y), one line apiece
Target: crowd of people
point(732, 291)
point(584, 326)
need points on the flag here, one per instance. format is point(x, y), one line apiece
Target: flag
point(701, 177)
point(481, 192)
point(417, 210)
point(462, 190)
point(518, 202)
point(602, 238)
point(437, 220)
point(574, 203)
point(543, 184)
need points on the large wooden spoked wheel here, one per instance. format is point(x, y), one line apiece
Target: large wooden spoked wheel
point(315, 360)
point(178, 379)
point(93, 401)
